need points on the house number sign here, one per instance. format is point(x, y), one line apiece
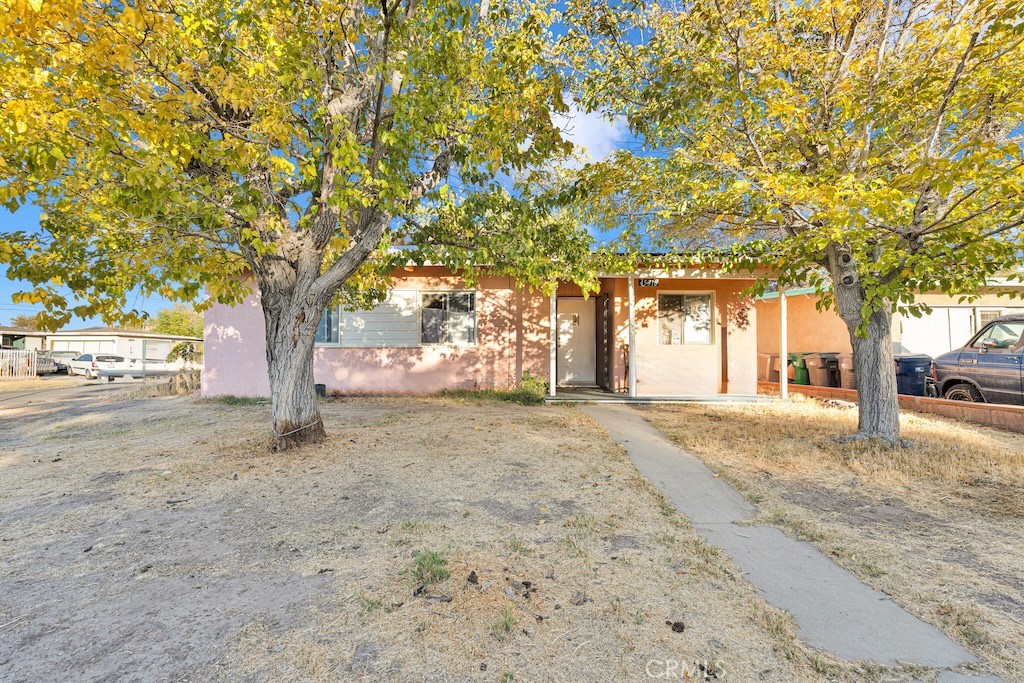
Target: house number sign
point(648, 282)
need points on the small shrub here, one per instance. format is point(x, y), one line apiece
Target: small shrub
point(530, 391)
point(574, 546)
point(507, 395)
point(369, 603)
point(583, 522)
point(665, 539)
point(185, 351)
point(429, 566)
point(503, 626)
point(534, 384)
point(518, 546)
point(666, 507)
point(411, 525)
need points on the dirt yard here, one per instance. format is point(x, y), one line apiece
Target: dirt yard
point(939, 527)
point(435, 539)
point(34, 383)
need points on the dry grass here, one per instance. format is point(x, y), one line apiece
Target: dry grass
point(157, 539)
point(183, 384)
point(32, 383)
point(939, 526)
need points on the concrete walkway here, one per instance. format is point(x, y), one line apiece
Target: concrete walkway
point(833, 610)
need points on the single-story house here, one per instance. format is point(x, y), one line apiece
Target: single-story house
point(134, 344)
point(683, 332)
point(29, 340)
point(950, 324)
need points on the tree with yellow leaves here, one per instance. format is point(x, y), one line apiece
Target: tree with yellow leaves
point(868, 148)
point(178, 146)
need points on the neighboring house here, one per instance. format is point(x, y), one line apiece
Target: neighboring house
point(30, 340)
point(948, 326)
point(693, 334)
point(132, 344)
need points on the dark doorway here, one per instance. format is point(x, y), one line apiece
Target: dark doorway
point(603, 336)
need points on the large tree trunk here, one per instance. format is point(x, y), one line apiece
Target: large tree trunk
point(294, 291)
point(871, 339)
point(291, 324)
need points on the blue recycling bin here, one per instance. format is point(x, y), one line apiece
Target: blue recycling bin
point(912, 373)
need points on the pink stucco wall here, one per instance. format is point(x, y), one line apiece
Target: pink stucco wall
point(809, 329)
point(512, 337)
point(728, 365)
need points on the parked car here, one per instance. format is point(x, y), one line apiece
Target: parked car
point(25, 360)
point(89, 364)
point(989, 368)
point(44, 364)
point(62, 358)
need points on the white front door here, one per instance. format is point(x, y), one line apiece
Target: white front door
point(577, 345)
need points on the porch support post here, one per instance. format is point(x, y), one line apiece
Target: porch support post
point(783, 345)
point(553, 360)
point(632, 339)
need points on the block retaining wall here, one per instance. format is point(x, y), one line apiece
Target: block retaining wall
point(989, 414)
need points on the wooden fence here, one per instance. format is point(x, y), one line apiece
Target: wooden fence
point(16, 364)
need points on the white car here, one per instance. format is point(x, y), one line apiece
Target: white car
point(89, 364)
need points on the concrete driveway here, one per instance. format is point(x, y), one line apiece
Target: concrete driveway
point(86, 391)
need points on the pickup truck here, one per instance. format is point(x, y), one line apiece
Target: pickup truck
point(990, 368)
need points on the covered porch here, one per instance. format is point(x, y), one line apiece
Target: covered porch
point(686, 334)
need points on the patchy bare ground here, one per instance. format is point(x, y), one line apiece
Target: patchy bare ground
point(34, 383)
point(939, 527)
point(156, 540)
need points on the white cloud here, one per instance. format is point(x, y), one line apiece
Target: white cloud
point(595, 135)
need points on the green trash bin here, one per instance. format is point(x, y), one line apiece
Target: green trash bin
point(800, 374)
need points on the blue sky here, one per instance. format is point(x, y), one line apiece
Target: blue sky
point(599, 137)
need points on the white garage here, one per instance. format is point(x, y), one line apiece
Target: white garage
point(84, 345)
point(947, 327)
point(132, 344)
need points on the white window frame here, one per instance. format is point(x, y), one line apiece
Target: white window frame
point(337, 322)
point(476, 327)
point(712, 336)
point(419, 294)
point(980, 311)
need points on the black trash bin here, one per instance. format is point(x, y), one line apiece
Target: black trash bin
point(834, 373)
point(823, 368)
point(912, 373)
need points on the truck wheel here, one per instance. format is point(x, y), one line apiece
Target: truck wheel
point(963, 392)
